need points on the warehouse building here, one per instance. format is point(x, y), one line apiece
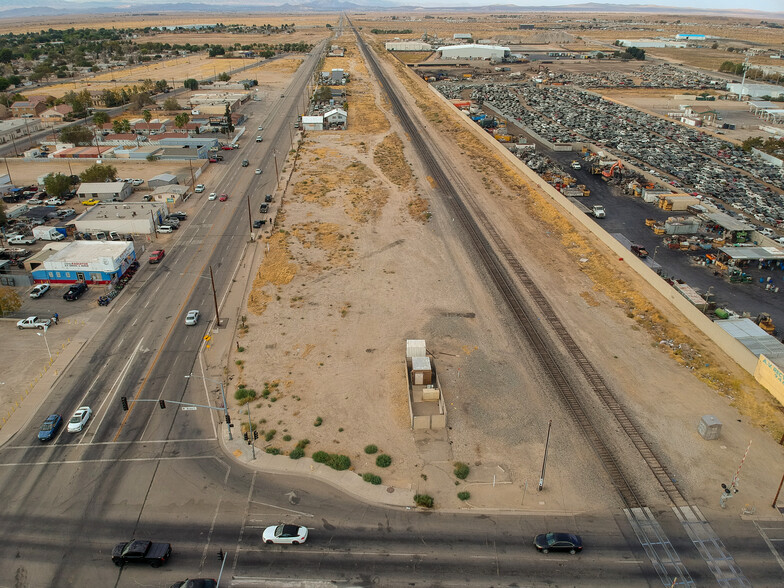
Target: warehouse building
point(105, 191)
point(494, 52)
point(94, 262)
point(128, 218)
point(163, 179)
point(408, 46)
point(756, 90)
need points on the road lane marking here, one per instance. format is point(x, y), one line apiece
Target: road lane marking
point(153, 412)
point(107, 460)
point(115, 386)
point(118, 443)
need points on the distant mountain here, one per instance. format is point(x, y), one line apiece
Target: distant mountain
point(28, 8)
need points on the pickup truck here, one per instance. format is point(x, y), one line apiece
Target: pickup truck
point(639, 250)
point(138, 551)
point(33, 322)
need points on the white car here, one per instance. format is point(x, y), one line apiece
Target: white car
point(21, 241)
point(79, 419)
point(192, 317)
point(199, 188)
point(212, 196)
point(285, 534)
point(138, 182)
point(33, 322)
point(258, 171)
point(261, 128)
point(54, 202)
point(39, 290)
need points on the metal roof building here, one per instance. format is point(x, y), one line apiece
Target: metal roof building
point(495, 52)
point(408, 46)
point(754, 338)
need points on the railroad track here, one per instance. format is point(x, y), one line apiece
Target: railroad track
point(476, 226)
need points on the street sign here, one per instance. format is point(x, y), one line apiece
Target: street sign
point(207, 337)
point(188, 408)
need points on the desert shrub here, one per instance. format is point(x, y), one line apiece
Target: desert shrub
point(244, 395)
point(287, 437)
point(383, 461)
point(317, 422)
point(461, 470)
point(333, 460)
point(273, 450)
point(423, 500)
point(464, 495)
point(297, 453)
point(321, 457)
point(370, 449)
point(372, 479)
point(303, 443)
point(270, 434)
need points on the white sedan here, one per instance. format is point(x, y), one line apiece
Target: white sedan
point(192, 317)
point(285, 534)
point(258, 171)
point(79, 419)
point(212, 196)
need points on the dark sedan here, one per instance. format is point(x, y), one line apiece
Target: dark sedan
point(196, 583)
point(50, 427)
point(548, 542)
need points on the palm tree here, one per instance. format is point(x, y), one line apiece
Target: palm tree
point(147, 116)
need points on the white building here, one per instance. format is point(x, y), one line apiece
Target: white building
point(313, 123)
point(495, 52)
point(645, 43)
point(337, 117)
point(105, 191)
point(407, 46)
point(128, 218)
point(756, 90)
point(169, 194)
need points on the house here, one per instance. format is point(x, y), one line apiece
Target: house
point(28, 108)
point(57, 113)
point(170, 193)
point(105, 191)
point(336, 118)
point(164, 179)
point(149, 127)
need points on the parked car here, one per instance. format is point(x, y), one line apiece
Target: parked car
point(548, 542)
point(54, 202)
point(257, 224)
point(639, 250)
point(268, 198)
point(179, 214)
point(285, 534)
point(33, 322)
point(199, 188)
point(39, 290)
point(50, 427)
point(227, 147)
point(75, 291)
point(35, 201)
point(21, 240)
point(598, 211)
point(157, 255)
point(264, 207)
point(91, 202)
point(136, 551)
point(213, 160)
point(258, 171)
point(79, 419)
point(165, 229)
point(138, 182)
point(192, 317)
point(223, 197)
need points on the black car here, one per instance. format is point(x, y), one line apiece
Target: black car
point(268, 198)
point(196, 583)
point(548, 542)
point(264, 207)
point(75, 291)
point(179, 215)
point(141, 551)
point(258, 223)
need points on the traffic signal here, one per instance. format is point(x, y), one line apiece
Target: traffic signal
point(221, 555)
point(124, 401)
point(255, 434)
point(228, 419)
point(162, 402)
point(245, 435)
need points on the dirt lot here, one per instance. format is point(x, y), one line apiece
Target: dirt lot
point(356, 255)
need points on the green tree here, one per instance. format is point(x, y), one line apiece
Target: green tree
point(77, 134)
point(161, 86)
point(223, 77)
point(227, 115)
point(99, 173)
point(100, 118)
point(9, 300)
point(121, 126)
point(752, 142)
point(57, 184)
point(191, 84)
point(181, 120)
point(323, 94)
point(171, 104)
point(147, 116)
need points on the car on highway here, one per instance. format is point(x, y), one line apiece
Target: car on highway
point(258, 171)
point(199, 188)
point(285, 534)
point(268, 198)
point(257, 224)
point(157, 255)
point(137, 551)
point(264, 207)
point(192, 317)
point(196, 583)
point(75, 291)
point(39, 290)
point(50, 427)
point(33, 322)
point(259, 139)
point(261, 128)
point(79, 419)
point(245, 163)
point(547, 542)
point(212, 196)
point(91, 202)
point(223, 197)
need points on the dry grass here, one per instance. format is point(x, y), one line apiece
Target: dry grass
point(413, 56)
point(389, 157)
point(709, 59)
point(419, 209)
point(328, 238)
point(276, 270)
point(288, 65)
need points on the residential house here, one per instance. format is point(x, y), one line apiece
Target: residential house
point(27, 108)
point(56, 114)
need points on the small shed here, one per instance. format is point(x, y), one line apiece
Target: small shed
point(164, 179)
point(313, 123)
point(421, 371)
point(105, 191)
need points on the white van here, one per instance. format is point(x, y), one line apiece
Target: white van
point(165, 229)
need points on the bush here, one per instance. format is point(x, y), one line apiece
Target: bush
point(423, 500)
point(383, 461)
point(461, 470)
point(317, 422)
point(287, 437)
point(270, 435)
point(244, 395)
point(303, 443)
point(297, 453)
point(370, 449)
point(273, 450)
point(321, 457)
point(333, 460)
point(464, 495)
point(372, 478)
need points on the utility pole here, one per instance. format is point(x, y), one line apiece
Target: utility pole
point(544, 461)
point(251, 431)
point(214, 298)
point(193, 179)
point(776, 498)
point(7, 170)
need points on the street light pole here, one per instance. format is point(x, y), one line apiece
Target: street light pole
point(223, 395)
point(47, 343)
point(214, 298)
point(544, 461)
point(251, 440)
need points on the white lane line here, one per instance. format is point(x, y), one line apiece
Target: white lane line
point(152, 414)
point(296, 512)
point(770, 545)
point(214, 518)
point(103, 460)
point(115, 386)
point(150, 442)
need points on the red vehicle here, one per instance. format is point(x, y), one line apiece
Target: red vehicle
point(213, 160)
point(157, 255)
point(223, 197)
point(227, 147)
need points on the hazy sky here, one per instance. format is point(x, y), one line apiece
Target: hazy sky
point(767, 5)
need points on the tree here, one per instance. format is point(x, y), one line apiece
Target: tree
point(323, 94)
point(9, 300)
point(57, 184)
point(121, 126)
point(191, 84)
point(98, 173)
point(171, 104)
point(77, 134)
point(161, 86)
point(3, 217)
point(100, 119)
point(181, 120)
point(216, 50)
point(227, 115)
point(147, 116)
point(223, 77)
